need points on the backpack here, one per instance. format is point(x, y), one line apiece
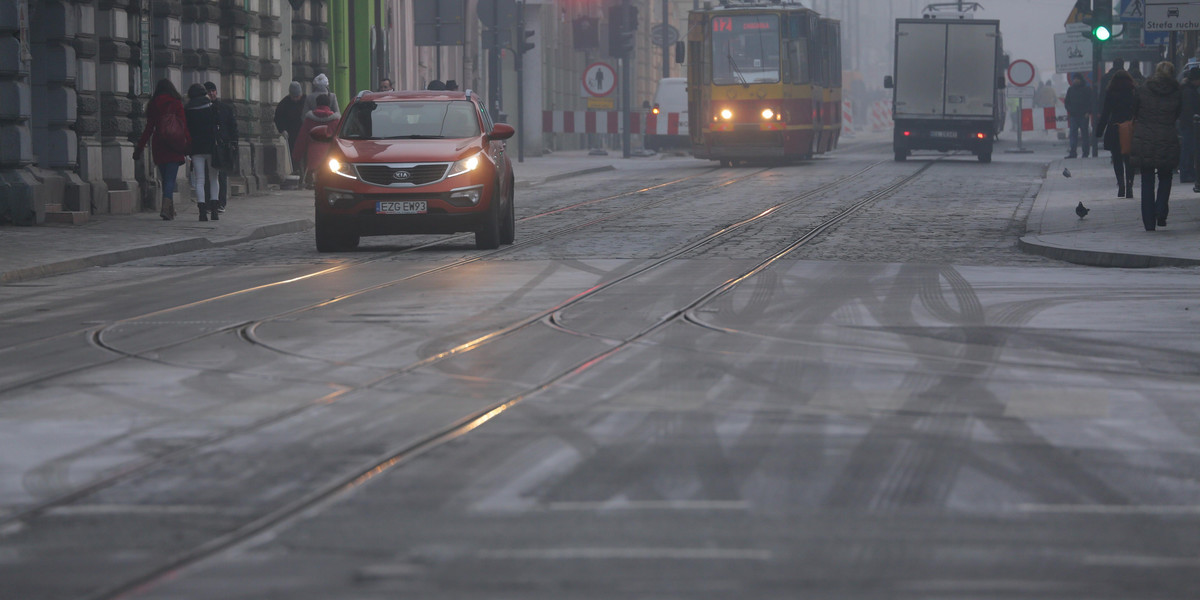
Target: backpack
point(172, 134)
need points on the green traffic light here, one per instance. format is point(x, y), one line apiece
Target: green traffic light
point(1102, 33)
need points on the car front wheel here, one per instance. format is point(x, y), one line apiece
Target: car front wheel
point(487, 237)
point(331, 239)
point(508, 225)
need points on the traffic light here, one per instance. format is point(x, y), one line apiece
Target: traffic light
point(523, 45)
point(622, 30)
point(1098, 17)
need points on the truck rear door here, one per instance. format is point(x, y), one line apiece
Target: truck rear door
point(970, 70)
point(920, 68)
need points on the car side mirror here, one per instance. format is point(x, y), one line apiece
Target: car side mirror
point(501, 131)
point(320, 133)
point(679, 52)
point(888, 83)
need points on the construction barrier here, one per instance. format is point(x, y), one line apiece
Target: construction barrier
point(1043, 119)
point(847, 118)
point(881, 116)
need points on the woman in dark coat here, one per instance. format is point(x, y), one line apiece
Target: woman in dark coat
point(202, 125)
point(1156, 149)
point(1117, 108)
point(168, 154)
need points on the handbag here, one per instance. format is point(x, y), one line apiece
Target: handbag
point(1125, 133)
point(225, 150)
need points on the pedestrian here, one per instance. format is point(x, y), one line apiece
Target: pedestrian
point(385, 85)
point(1045, 97)
point(227, 136)
point(166, 129)
point(1117, 109)
point(320, 86)
point(1190, 99)
point(202, 127)
point(1156, 150)
point(289, 114)
point(1118, 65)
point(1079, 113)
point(313, 151)
point(451, 85)
point(1135, 71)
point(436, 85)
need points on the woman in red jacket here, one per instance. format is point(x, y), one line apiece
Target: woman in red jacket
point(166, 126)
point(313, 152)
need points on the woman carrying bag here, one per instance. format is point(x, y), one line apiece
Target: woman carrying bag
point(1156, 148)
point(202, 125)
point(1117, 113)
point(166, 129)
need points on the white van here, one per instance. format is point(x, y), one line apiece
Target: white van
point(670, 98)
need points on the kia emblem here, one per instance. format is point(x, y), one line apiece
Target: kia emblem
point(401, 175)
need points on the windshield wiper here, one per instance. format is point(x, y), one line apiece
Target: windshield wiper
point(736, 70)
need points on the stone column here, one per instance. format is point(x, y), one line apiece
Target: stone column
point(118, 79)
point(21, 202)
point(87, 122)
point(53, 28)
point(273, 163)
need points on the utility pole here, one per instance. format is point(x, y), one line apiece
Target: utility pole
point(493, 64)
point(666, 51)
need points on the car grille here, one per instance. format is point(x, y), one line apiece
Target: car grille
point(416, 174)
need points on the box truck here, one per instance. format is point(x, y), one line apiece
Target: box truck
point(948, 85)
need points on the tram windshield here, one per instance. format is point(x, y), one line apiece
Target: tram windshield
point(745, 49)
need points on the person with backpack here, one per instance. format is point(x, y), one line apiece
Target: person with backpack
point(166, 130)
point(202, 125)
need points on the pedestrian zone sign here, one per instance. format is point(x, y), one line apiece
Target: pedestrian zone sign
point(1133, 11)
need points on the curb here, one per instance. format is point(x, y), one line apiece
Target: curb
point(530, 183)
point(1092, 258)
point(164, 249)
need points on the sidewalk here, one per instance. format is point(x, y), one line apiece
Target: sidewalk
point(1111, 235)
point(28, 253)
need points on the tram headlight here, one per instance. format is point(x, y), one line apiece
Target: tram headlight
point(768, 114)
point(726, 114)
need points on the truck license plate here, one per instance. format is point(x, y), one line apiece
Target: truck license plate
point(400, 207)
point(943, 134)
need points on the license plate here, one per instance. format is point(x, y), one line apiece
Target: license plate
point(400, 207)
point(943, 134)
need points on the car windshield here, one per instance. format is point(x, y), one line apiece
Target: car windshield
point(410, 120)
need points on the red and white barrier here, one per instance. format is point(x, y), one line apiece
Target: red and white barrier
point(590, 121)
point(1043, 119)
point(847, 118)
point(881, 116)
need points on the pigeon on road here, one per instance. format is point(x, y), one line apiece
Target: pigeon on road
point(1082, 210)
point(1066, 173)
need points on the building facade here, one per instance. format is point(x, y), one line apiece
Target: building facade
point(75, 77)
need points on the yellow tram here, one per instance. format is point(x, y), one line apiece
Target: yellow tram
point(764, 81)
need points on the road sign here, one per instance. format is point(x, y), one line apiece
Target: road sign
point(1026, 92)
point(1133, 11)
point(498, 14)
point(599, 79)
point(439, 23)
point(1172, 16)
point(1021, 72)
point(658, 38)
point(1072, 53)
point(601, 103)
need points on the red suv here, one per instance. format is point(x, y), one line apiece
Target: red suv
point(414, 162)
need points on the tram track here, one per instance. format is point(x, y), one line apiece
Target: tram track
point(246, 331)
point(356, 477)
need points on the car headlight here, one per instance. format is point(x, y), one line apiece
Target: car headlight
point(466, 165)
point(341, 168)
